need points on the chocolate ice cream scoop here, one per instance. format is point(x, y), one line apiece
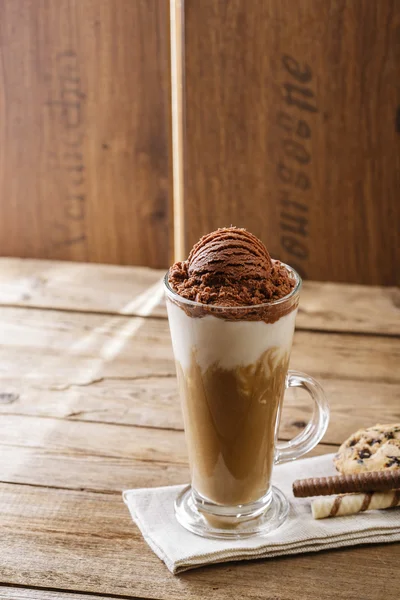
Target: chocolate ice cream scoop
point(230, 267)
point(235, 253)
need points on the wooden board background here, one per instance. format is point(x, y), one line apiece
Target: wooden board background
point(291, 130)
point(84, 137)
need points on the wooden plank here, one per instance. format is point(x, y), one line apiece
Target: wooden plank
point(60, 469)
point(87, 542)
point(126, 290)
point(60, 349)
point(349, 308)
point(50, 348)
point(148, 401)
point(24, 593)
point(93, 456)
point(93, 439)
point(85, 95)
point(282, 130)
point(79, 286)
point(154, 402)
point(64, 469)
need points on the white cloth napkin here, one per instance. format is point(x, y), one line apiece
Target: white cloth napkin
point(153, 511)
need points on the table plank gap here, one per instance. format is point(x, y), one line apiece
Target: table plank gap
point(22, 592)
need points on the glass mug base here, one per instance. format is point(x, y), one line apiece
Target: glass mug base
point(213, 521)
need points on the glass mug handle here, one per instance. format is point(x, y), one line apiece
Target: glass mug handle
point(316, 428)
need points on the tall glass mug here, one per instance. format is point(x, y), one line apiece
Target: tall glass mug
point(232, 367)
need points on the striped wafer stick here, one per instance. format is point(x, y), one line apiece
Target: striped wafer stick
point(374, 481)
point(353, 503)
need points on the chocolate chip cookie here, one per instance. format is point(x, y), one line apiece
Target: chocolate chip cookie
point(373, 449)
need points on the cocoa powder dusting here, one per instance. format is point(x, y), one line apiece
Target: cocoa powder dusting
point(231, 267)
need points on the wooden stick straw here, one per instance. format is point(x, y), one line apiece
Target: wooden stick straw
point(177, 75)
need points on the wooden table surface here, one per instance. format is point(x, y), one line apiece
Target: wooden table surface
point(89, 407)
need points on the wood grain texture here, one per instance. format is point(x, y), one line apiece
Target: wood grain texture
point(88, 407)
point(120, 370)
point(129, 290)
point(94, 439)
point(86, 542)
point(56, 349)
point(291, 131)
point(83, 287)
point(154, 403)
point(62, 470)
point(95, 457)
point(84, 146)
point(24, 593)
point(349, 308)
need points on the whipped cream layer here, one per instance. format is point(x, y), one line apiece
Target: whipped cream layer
point(226, 344)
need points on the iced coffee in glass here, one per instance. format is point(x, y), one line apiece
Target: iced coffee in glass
point(232, 311)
